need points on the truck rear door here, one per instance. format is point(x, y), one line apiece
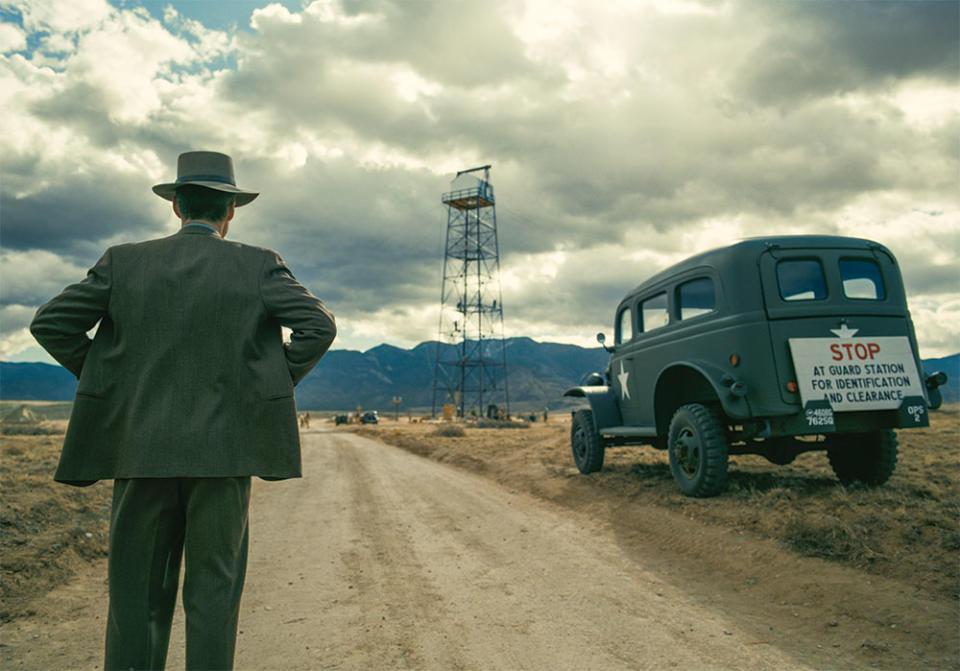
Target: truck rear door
point(840, 328)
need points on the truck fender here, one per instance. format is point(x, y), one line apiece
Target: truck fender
point(603, 403)
point(729, 390)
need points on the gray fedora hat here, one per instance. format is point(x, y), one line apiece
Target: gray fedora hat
point(205, 168)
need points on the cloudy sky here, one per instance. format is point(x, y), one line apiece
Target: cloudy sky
point(624, 136)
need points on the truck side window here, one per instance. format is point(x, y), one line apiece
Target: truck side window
point(653, 313)
point(696, 298)
point(625, 329)
point(861, 279)
point(801, 280)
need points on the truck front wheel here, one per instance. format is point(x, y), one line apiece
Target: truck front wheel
point(586, 443)
point(863, 457)
point(698, 450)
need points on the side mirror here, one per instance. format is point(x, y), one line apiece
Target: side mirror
point(601, 338)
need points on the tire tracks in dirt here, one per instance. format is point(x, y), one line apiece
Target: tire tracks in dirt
point(418, 565)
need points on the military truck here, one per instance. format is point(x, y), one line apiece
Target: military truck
point(772, 346)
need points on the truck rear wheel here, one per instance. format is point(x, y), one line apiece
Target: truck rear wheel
point(586, 443)
point(868, 457)
point(698, 450)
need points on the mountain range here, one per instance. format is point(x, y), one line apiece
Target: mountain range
point(539, 372)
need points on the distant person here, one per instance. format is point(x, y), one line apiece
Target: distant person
point(185, 392)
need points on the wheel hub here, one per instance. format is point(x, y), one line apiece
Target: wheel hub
point(579, 442)
point(687, 452)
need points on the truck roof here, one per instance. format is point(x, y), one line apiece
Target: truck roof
point(750, 249)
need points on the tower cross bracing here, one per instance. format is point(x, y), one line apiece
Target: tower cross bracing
point(471, 370)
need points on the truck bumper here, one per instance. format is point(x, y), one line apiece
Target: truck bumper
point(818, 418)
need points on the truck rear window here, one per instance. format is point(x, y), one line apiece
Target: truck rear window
point(861, 279)
point(801, 280)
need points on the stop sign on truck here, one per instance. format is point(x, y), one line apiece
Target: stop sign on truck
point(855, 374)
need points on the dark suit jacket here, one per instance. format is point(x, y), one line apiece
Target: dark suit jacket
point(187, 375)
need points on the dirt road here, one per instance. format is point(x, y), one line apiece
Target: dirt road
point(382, 559)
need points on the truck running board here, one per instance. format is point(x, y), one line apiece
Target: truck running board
point(629, 431)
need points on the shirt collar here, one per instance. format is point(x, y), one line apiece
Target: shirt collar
point(207, 226)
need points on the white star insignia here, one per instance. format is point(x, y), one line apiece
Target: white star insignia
point(623, 376)
point(844, 331)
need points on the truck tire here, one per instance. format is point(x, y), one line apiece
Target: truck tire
point(868, 457)
point(586, 443)
point(697, 443)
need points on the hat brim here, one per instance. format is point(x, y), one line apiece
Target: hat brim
point(169, 190)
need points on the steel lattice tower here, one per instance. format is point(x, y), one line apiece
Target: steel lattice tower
point(471, 362)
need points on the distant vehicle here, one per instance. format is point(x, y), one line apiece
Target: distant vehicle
point(341, 419)
point(370, 417)
point(772, 346)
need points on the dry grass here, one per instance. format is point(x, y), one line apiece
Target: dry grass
point(42, 429)
point(46, 527)
point(499, 424)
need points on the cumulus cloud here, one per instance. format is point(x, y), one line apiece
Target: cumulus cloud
point(624, 137)
point(16, 336)
point(12, 38)
point(63, 19)
point(818, 49)
point(40, 274)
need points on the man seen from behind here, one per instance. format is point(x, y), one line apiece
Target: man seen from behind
point(184, 393)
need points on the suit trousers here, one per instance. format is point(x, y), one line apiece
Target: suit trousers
point(154, 523)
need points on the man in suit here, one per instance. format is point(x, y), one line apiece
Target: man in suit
point(184, 393)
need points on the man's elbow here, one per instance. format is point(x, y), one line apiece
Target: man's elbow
point(326, 332)
point(324, 341)
point(332, 331)
point(40, 329)
point(320, 337)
